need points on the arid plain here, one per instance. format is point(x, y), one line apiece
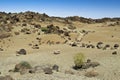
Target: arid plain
point(49, 41)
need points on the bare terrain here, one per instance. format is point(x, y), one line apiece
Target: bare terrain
point(52, 41)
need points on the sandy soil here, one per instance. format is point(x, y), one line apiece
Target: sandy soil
point(109, 64)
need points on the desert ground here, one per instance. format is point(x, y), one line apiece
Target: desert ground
point(40, 46)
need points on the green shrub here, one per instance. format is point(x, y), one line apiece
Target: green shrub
point(79, 59)
point(22, 65)
point(25, 64)
point(44, 29)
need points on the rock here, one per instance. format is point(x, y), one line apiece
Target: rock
point(74, 44)
point(48, 71)
point(114, 53)
point(116, 46)
point(37, 26)
point(91, 74)
point(55, 67)
point(57, 52)
point(27, 32)
point(11, 70)
point(99, 45)
point(16, 33)
point(86, 66)
point(69, 72)
point(36, 69)
point(7, 77)
point(24, 24)
point(106, 46)
point(23, 71)
point(32, 71)
point(1, 49)
point(66, 33)
point(77, 67)
point(22, 67)
point(22, 52)
point(35, 46)
point(4, 35)
point(94, 64)
point(83, 45)
point(90, 46)
point(39, 69)
point(88, 60)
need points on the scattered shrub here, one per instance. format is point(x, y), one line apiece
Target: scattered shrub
point(22, 66)
point(44, 29)
point(79, 59)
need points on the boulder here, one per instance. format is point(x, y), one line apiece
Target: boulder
point(55, 67)
point(48, 71)
point(22, 52)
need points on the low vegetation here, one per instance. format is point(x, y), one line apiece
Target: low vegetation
point(22, 66)
point(44, 29)
point(79, 59)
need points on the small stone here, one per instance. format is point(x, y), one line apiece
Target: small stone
point(88, 60)
point(55, 67)
point(48, 71)
point(94, 64)
point(114, 53)
point(91, 74)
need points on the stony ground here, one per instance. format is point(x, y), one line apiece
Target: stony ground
point(108, 69)
point(40, 47)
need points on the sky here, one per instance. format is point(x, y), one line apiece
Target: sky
point(64, 8)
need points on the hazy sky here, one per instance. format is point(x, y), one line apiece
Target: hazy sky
point(84, 8)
